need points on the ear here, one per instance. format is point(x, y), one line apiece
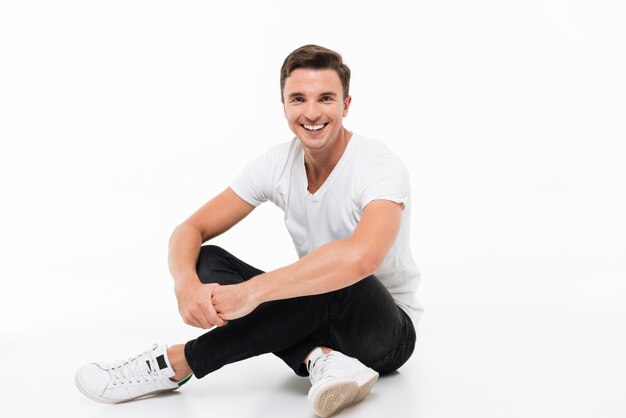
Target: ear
point(346, 105)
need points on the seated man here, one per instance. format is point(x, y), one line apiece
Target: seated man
point(345, 311)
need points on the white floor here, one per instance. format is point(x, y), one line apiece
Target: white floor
point(492, 362)
point(42, 371)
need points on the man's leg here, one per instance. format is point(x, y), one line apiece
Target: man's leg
point(329, 335)
point(361, 321)
point(273, 326)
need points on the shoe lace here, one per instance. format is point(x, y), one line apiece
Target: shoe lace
point(324, 368)
point(138, 368)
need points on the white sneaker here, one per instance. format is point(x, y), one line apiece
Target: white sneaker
point(142, 375)
point(338, 381)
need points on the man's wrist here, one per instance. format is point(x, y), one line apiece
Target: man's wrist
point(184, 281)
point(256, 289)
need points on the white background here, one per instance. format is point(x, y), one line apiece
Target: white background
point(118, 119)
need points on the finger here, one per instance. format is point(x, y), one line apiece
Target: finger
point(222, 315)
point(204, 322)
point(207, 323)
point(214, 308)
point(213, 316)
point(191, 321)
point(188, 318)
point(200, 320)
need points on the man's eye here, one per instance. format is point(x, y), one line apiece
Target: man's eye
point(327, 99)
point(297, 100)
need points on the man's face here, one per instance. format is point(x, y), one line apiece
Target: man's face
point(314, 106)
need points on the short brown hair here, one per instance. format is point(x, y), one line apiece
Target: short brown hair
point(318, 58)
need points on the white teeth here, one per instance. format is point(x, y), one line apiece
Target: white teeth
point(313, 127)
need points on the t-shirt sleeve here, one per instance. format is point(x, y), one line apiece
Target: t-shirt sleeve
point(385, 178)
point(251, 182)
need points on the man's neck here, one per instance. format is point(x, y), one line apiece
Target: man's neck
point(320, 164)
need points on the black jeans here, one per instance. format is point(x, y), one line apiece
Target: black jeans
point(361, 321)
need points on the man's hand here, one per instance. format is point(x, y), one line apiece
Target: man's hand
point(195, 306)
point(234, 301)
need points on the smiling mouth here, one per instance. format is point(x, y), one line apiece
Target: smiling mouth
point(314, 128)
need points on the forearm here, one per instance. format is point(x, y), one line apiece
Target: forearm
point(184, 247)
point(194, 298)
point(331, 267)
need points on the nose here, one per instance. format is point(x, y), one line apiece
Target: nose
point(312, 112)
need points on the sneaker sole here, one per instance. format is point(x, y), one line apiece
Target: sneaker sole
point(114, 401)
point(329, 399)
point(369, 379)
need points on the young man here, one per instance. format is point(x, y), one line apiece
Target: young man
point(345, 311)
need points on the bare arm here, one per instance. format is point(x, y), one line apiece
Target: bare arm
point(333, 266)
point(214, 218)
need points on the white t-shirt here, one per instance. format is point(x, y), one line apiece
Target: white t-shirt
point(368, 170)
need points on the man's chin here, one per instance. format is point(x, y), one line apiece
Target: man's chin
point(312, 141)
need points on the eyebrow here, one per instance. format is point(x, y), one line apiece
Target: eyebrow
point(327, 93)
